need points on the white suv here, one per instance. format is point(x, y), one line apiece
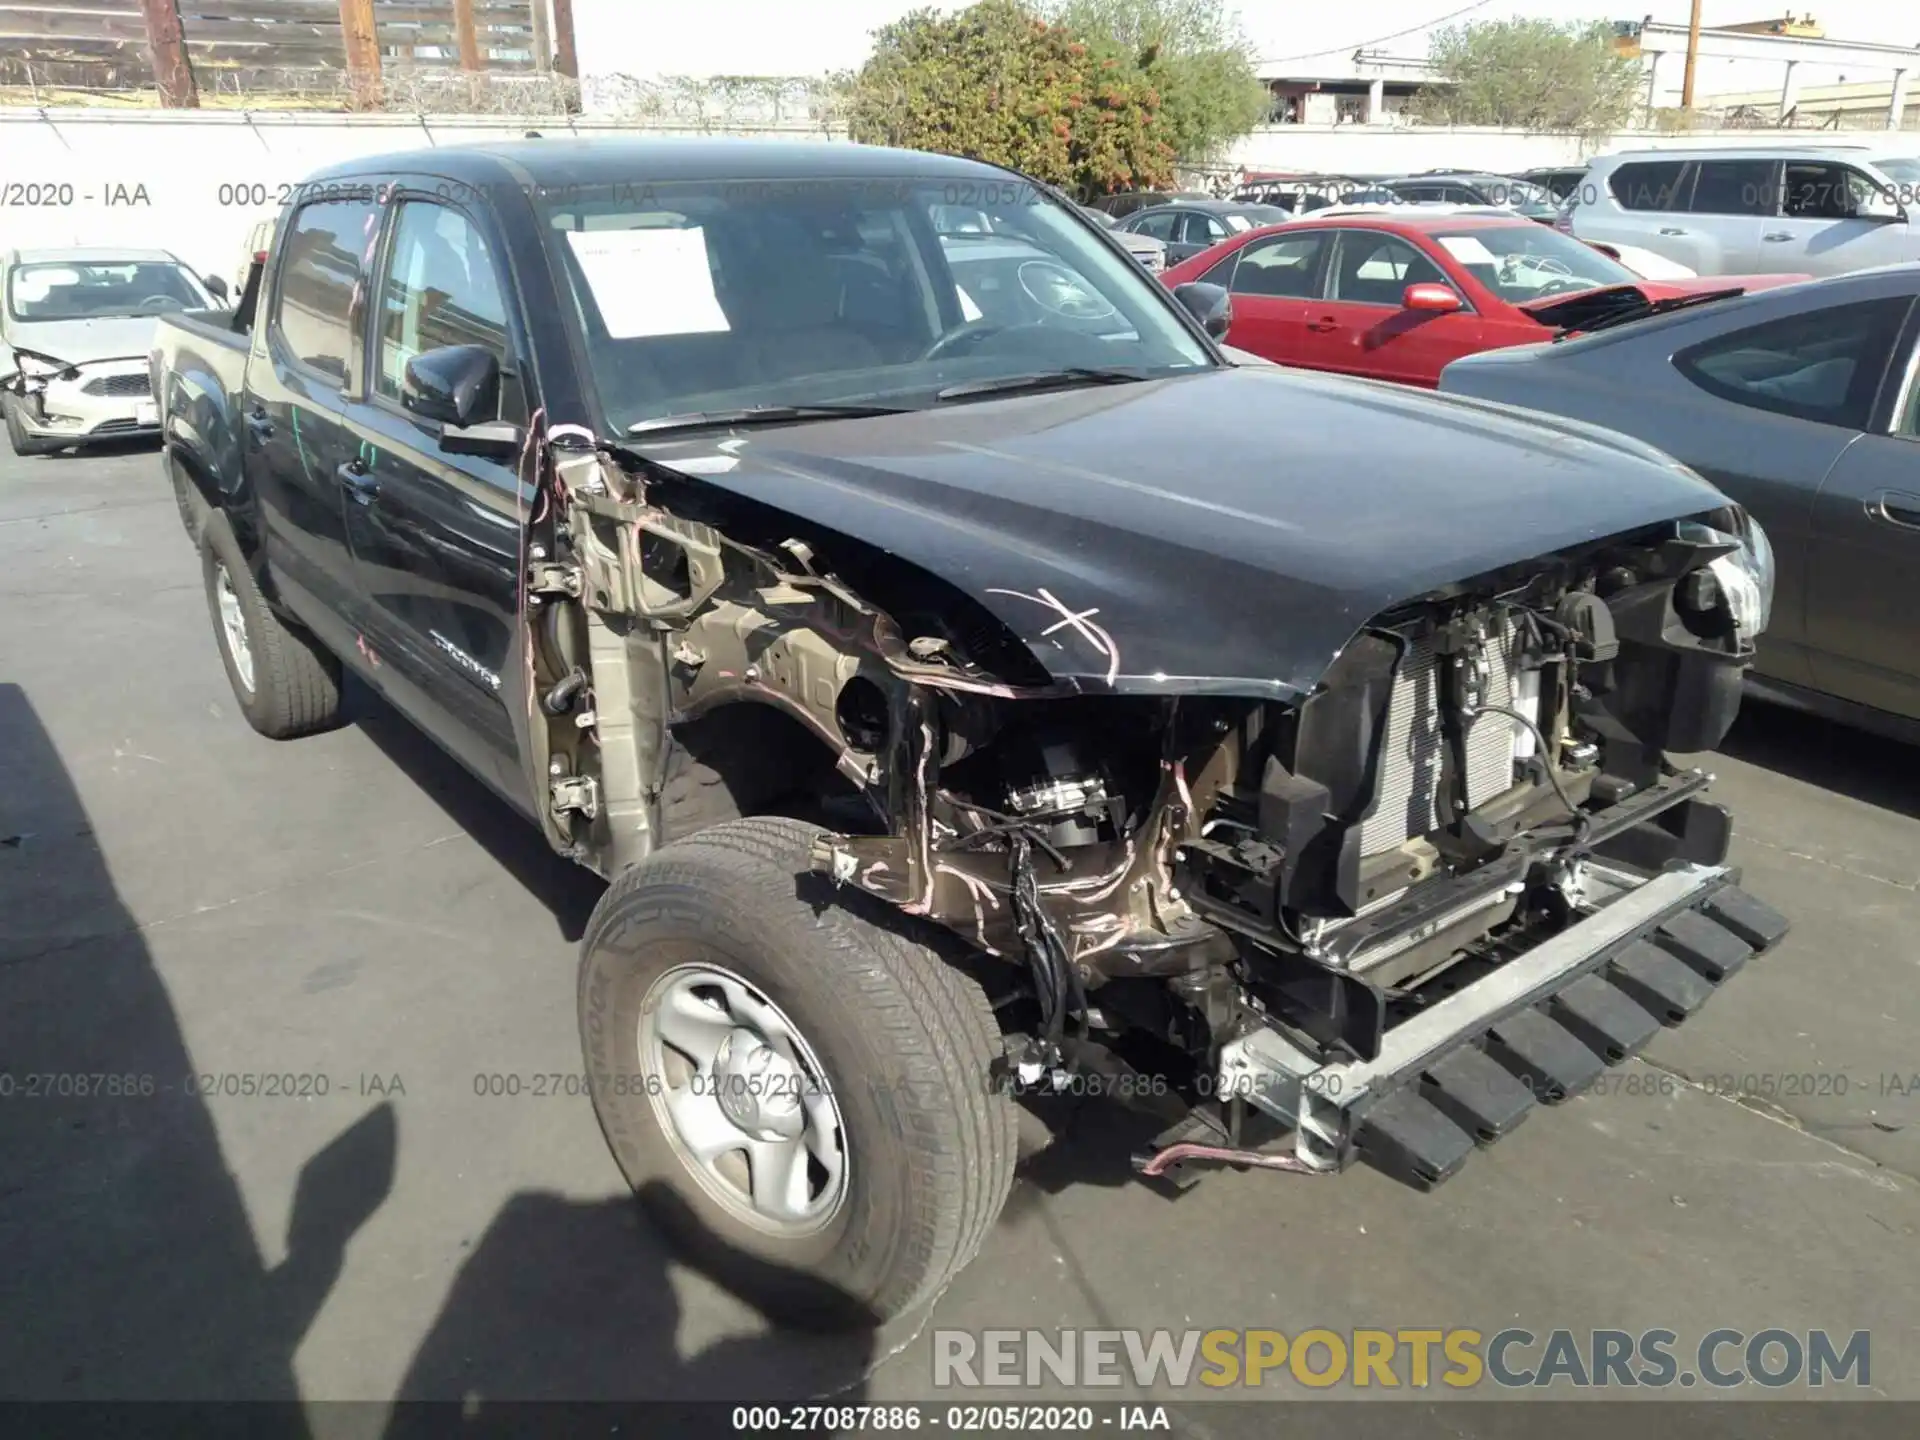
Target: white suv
point(1814, 211)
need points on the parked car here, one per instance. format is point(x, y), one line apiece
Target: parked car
point(1302, 194)
point(259, 236)
point(1144, 248)
point(1131, 753)
point(1803, 404)
point(1470, 187)
point(1643, 263)
point(1195, 225)
point(1559, 181)
point(1124, 204)
point(75, 331)
point(1824, 210)
point(1398, 294)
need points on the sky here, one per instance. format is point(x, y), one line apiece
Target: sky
point(790, 37)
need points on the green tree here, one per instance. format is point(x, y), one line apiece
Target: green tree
point(1194, 55)
point(998, 83)
point(1530, 75)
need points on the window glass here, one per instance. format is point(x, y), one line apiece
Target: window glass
point(712, 295)
point(1284, 266)
point(1649, 184)
point(1825, 365)
point(1159, 225)
point(1376, 269)
point(96, 289)
point(441, 289)
point(1531, 262)
point(1817, 191)
point(324, 250)
point(1222, 272)
point(1735, 187)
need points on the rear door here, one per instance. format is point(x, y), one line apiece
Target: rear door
point(1645, 203)
point(1726, 209)
point(1274, 280)
point(1194, 231)
point(1361, 325)
point(436, 536)
point(1818, 229)
point(294, 411)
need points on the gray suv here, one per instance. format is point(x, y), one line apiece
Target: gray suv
point(1804, 210)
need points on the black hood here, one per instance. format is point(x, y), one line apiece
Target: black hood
point(1224, 532)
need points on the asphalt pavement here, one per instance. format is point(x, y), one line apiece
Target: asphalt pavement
point(180, 898)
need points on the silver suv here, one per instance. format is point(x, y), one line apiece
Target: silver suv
point(1806, 210)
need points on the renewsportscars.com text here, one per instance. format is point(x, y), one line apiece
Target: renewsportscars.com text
point(1415, 1359)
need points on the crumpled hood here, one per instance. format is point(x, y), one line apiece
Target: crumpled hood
point(1225, 532)
point(78, 342)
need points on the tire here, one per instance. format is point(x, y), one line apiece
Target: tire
point(23, 444)
point(903, 1042)
point(294, 687)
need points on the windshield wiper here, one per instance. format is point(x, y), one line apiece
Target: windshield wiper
point(762, 415)
point(1648, 308)
point(1040, 380)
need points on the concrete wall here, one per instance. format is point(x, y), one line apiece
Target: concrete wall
point(195, 182)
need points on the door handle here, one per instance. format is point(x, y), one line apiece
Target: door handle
point(1895, 508)
point(260, 423)
point(1671, 230)
point(1776, 235)
point(359, 482)
point(1325, 322)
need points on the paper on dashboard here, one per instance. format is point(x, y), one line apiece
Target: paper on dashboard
point(650, 282)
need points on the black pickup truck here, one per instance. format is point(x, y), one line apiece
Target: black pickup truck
point(972, 685)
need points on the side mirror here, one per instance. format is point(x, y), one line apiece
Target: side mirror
point(454, 385)
point(216, 287)
point(1432, 298)
point(1209, 304)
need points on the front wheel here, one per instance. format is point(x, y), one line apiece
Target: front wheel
point(802, 1095)
point(285, 682)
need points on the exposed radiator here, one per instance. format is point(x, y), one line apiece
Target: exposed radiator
point(1415, 743)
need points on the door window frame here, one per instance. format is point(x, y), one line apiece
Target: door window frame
point(349, 386)
point(1317, 281)
point(514, 366)
point(1329, 268)
point(1685, 361)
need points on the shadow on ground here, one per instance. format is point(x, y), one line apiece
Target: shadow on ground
point(514, 842)
point(132, 1271)
point(1827, 755)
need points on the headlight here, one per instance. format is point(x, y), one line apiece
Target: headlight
point(38, 367)
point(1745, 576)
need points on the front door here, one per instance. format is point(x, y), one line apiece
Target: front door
point(1866, 562)
point(1362, 325)
point(1820, 231)
point(436, 537)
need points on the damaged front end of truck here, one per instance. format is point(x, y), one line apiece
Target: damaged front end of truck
point(1376, 909)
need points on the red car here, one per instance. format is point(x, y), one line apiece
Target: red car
point(1396, 297)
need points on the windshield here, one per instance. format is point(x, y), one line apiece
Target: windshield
point(1530, 262)
point(717, 296)
point(97, 289)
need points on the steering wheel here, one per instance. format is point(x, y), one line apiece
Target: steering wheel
point(168, 301)
point(1562, 285)
point(969, 336)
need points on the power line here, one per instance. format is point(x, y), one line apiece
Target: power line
point(1379, 40)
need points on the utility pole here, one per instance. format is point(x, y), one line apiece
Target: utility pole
point(1693, 55)
point(168, 42)
point(362, 42)
point(566, 57)
point(466, 35)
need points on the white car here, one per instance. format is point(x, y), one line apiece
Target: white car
point(76, 331)
point(1817, 210)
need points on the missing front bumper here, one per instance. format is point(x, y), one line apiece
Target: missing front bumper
point(1540, 1028)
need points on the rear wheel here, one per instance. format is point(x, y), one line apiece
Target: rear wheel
point(17, 436)
point(285, 682)
point(802, 1095)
